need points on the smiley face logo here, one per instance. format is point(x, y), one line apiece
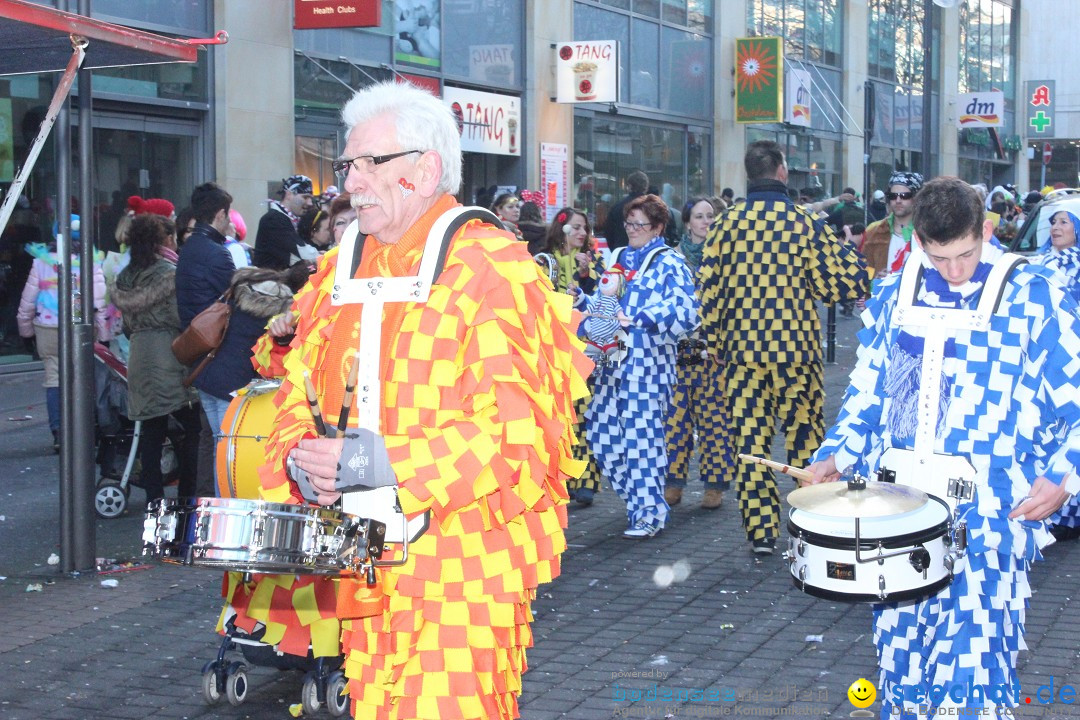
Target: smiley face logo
point(861, 693)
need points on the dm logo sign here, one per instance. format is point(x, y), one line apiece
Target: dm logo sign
point(985, 109)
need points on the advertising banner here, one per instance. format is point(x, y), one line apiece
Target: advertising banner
point(488, 123)
point(759, 80)
point(587, 71)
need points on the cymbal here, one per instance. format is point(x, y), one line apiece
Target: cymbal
point(876, 499)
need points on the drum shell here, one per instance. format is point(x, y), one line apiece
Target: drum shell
point(245, 428)
point(823, 563)
point(246, 535)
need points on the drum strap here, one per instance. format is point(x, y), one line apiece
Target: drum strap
point(374, 292)
point(935, 326)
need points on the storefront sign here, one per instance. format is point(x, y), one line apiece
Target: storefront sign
point(554, 177)
point(1042, 101)
point(587, 71)
point(422, 82)
point(759, 80)
point(981, 109)
point(336, 13)
point(492, 64)
point(798, 97)
point(488, 123)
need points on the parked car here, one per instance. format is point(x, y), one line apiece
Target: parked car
point(1036, 228)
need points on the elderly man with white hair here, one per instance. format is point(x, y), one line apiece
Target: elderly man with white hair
point(464, 409)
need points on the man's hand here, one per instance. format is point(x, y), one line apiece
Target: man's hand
point(319, 458)
point(823, 471)
point(1043, 500)
point(282, 325)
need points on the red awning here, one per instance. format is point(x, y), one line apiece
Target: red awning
point(35, 38)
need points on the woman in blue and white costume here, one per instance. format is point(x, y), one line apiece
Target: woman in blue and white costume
point(1060, 251)
point(625, 419)
point(1000, 386)
point(1061, 254)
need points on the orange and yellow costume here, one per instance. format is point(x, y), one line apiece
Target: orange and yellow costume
point(478, 391)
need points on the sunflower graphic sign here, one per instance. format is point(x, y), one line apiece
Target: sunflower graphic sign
point(759, 85)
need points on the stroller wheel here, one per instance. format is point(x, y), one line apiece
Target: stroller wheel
point(110, 500)
point(337, 698)
point(236, 685)
point(309, 695)
point(210, 691)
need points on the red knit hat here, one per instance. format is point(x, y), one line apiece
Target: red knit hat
point(151, 206)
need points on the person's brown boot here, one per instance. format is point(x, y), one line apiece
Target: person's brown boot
point(673, 495)
point(713, 499)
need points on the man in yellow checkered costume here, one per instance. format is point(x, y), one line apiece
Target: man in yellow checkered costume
point(765, 264)
point(474, 422)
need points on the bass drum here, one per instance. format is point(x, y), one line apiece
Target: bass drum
point(824, 561)
point(242, 446)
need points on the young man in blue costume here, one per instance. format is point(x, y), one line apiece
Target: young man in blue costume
point(989, 389)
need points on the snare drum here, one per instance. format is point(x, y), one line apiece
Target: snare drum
point(259, 537)
point(898, 557)
point(242, 447)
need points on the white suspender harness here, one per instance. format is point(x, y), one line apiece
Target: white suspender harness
point(373, 292)
point(947, 477)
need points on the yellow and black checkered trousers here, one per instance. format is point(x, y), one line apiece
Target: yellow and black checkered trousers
point(764, 265)
point(590, 476)
point(759, 395)
point(697, 408)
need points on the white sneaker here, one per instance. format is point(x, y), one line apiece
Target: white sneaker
point(642, 529)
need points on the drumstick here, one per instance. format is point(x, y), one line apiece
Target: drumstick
point(350, 388)
point(797, 473)
point(313, 403)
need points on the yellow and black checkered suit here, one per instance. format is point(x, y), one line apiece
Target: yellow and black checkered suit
point(590, 476)
point(765, 264)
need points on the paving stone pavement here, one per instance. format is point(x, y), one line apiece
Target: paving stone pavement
point(611, 634)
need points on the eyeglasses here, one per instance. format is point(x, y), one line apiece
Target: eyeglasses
point(366, 163)
point(635, 226)
point(899, 196)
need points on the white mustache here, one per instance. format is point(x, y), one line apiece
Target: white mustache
point(358, 200)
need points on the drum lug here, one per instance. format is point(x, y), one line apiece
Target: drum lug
point(881, 553)
point(920, 560)
point(802, 578)
point(881, 587)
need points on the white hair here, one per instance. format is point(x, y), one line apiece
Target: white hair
point(423, 122)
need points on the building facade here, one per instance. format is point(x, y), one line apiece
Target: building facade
point(267, 104)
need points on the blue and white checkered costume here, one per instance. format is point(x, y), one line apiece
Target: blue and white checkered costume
point(1067, 264)
point(1011, 408)
point(625, 420)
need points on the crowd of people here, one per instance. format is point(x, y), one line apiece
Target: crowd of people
point(534, 369)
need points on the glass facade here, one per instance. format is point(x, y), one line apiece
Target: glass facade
point(813, 30)
point(895, 64)
point(813, 41)
point(664, 114)
point(987, 62)
point(606, 150)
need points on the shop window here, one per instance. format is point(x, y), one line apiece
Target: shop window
point(606, 150)
point(489, 53)
point(687, 62)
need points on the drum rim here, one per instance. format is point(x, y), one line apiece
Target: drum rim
point(892, 542)
point(893, 598)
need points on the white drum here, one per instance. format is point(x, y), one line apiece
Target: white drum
point(898, 557)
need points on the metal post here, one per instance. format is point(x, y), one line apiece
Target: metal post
point(83, 403)
point(928, 67)
point(62, 148)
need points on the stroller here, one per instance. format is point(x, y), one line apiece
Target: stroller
point(118, 437)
